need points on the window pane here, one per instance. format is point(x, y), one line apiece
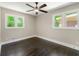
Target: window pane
point(20, 22)
point(10, 21)
point(58, 21)
point(71, 20)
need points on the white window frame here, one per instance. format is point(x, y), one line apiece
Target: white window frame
point(64, 20)
point(6, 15)
point(53, 21)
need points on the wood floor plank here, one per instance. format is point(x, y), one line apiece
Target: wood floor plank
point(36, 47)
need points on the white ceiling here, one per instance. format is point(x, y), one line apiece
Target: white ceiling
point(21, 7)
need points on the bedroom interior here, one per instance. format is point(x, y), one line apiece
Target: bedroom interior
point(39, 29)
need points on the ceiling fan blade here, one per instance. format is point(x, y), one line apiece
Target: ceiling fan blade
point(29, 10)
point(43, 11)
point(29, 5)
point(44, 5)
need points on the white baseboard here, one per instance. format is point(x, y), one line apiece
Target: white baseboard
point(52, 40)
point(61, 43)
point(10, 41)
point(15, 40)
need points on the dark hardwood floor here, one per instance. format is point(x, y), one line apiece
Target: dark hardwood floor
point(36, 47)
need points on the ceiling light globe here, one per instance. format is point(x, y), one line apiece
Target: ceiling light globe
point(36, 10)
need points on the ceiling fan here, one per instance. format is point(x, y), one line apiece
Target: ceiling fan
point(37, 9)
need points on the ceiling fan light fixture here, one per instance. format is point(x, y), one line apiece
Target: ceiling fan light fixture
point(36, 10)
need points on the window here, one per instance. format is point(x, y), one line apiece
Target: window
point(58, 21)
point(67, 20)
point(19, 22)
point(13, 21)
point(71, 20)
point(10, 21)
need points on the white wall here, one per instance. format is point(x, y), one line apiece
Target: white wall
point(16, 33)
point(0, 29)
point(44, 29)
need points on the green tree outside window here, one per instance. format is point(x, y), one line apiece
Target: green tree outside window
point(19, 22)
point(57, 21)
point(10, 21)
